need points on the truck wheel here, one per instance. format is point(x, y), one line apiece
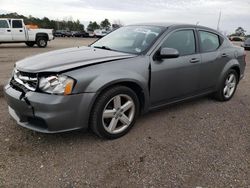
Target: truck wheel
point(41, 42)
point(30, 44)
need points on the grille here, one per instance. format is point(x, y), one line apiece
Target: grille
point(24, 81)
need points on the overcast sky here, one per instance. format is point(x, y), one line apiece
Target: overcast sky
point(234, 12)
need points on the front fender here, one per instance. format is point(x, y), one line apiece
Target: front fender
point(105, 80)
point(94, 79)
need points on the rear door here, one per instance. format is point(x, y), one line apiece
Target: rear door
point(173, 79)
point(213, 56)
point(18, 32)
point(5, 31)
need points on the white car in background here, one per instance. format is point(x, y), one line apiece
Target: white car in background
point(99, 33)
point(15, 31)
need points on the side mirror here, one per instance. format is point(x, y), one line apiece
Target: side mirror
point(167, 53)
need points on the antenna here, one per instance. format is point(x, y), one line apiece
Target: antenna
point(218, 25)
point(197, 23)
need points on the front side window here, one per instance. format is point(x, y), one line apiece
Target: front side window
point(209, 41)
point(4, 24)
point(130, 39)
point(17, 24)
point(183, 41)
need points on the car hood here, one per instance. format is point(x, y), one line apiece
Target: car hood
point(70, 58)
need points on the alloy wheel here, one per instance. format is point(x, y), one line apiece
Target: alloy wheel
point(118, 114)
point(230, 85)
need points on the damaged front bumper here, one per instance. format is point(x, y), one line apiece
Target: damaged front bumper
point(49, 113)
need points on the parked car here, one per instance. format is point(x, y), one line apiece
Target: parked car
point(236, 38)
point(58, 33)
point(81, 34)
point(66, 34)
point(246, 44)
point(99, 33)
point(15, 31)
point(130, 71)
point(91, 33)
point(62, 33)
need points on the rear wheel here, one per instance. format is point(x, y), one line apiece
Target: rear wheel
point(41, 42)
point(30, 44)
point(114, 112)
point(228, 86)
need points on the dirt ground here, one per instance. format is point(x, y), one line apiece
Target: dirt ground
point(202, 143)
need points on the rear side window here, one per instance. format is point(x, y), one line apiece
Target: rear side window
point(4, 24)
point(183, 41)
point(208, 41)
point(17, 24)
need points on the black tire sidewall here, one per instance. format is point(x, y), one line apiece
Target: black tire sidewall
point(231, 71)
point(39, 40)
point(97, 125)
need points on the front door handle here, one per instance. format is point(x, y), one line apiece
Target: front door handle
point(21, 30)
point(8, 30)
point(194, 60)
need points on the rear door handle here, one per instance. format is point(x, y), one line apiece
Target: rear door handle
point(8, 30)
point(21, 30)
point(224, 55)
point(194, 60)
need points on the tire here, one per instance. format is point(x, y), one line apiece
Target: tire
point(41, 42)
point(30, 44)
point(224, 94)
point(120, 116)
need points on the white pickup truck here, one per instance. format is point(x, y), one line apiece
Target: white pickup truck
point(15, 31)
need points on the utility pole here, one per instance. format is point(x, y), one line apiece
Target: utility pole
point(218, 25)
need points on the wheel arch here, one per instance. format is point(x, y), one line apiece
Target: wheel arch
point(233, 64)
point(140, 91)
point(137, 88)
point(45, 35)
point(237, 69)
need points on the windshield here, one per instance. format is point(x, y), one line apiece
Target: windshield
point(130, 39)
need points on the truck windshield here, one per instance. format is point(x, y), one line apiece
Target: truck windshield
point(130, 39)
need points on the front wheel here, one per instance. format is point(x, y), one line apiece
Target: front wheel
point(228, 86)
point(115, 112)
point(41, 42)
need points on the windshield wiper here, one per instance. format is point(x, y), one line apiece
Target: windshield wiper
point(103, 47)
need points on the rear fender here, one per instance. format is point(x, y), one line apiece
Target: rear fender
point(231, 64)
point(45, 35)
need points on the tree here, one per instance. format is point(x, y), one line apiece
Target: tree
point(67, 24)
point(240, 31)
point(93, 26)
point(105, 24)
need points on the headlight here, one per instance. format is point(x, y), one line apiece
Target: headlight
point(56, 84)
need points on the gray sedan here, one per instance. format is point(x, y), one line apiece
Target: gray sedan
point(130, 71)
point(246, 44)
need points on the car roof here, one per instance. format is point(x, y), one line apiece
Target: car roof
point(174, 24)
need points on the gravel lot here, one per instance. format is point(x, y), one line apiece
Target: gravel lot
point(201, 143)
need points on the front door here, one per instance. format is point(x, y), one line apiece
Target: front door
point(176, 78)
point(5, 31)
point(18, 32)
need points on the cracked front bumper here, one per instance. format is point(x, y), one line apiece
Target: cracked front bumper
point(49, 113)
